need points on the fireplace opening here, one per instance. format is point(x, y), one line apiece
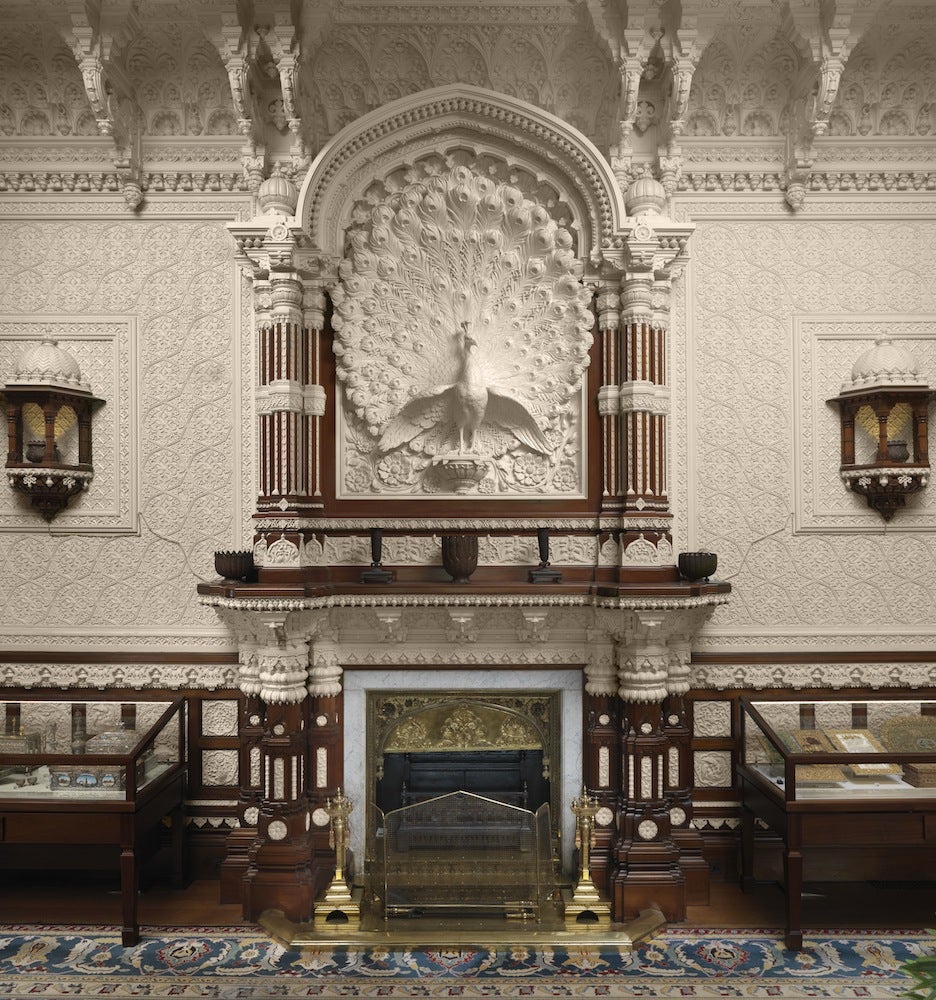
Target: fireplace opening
point(513, 777)
point(463, 801)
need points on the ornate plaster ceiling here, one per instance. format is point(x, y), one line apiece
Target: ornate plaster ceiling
point(145, 95)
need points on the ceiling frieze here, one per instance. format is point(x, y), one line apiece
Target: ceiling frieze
point(649, 83)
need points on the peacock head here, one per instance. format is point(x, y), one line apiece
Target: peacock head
point(468, 337)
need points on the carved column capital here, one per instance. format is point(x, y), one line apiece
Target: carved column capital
point(326, 671)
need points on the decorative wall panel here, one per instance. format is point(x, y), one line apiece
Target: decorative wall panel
point(749, 405)
point(159, 291)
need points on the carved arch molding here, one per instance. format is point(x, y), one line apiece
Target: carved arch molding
point(455, 232)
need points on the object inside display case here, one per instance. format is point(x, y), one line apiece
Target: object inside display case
point(69, 740)
point(845, 737)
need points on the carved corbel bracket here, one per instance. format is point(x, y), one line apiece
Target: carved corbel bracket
point(463, 627)
point(94, 39)
point(391, 625)
point(534, 626)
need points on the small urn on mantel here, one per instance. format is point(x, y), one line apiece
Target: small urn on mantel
point(460, 556)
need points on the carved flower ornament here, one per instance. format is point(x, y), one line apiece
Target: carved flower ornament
point(461, 330)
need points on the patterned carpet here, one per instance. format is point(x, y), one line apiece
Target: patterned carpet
point(231, 964)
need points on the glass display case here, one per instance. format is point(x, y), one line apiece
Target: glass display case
point(808, 750)
point(856, 775)
point(91, 785)
point(86, 750)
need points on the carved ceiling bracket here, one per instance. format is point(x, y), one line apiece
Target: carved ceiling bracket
point(95, 35)
point(261, 48)
point(824, 32)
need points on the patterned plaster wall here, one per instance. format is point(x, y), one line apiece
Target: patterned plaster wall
point(777, 311)
point(169, 270)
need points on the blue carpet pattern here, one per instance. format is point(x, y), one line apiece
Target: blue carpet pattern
point(238, 963)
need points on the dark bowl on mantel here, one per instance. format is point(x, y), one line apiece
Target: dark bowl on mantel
point(696, 566)
point(235, 567)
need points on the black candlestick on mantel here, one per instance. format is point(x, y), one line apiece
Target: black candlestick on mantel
point(542, 573)
point(376, 573)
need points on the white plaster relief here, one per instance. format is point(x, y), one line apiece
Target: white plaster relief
point(552, 61)
point(219, 767)
point(174, 276)
point(411, 550)
point(210, 677)
point(478, 387)
point(821, 676)
point(219, 718)
point(711, 718)
point(711, 769)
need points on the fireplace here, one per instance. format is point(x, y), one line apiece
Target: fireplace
point(511, 736)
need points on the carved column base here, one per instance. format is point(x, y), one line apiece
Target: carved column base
point(282, 881)
point(648, 876)
point(694, 867)
point(235, 864)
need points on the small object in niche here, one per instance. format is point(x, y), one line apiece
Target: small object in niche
point(235, 567)
point(697, 566)
point(897, 451)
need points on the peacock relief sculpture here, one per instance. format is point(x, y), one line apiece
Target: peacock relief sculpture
point(462, 336)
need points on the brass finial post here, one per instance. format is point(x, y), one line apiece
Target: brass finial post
point(338, 904)
point(585, 902)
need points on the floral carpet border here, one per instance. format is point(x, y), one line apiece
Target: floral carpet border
point(237, 962)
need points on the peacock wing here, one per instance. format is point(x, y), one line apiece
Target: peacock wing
point(418, 415)
point(513, 416)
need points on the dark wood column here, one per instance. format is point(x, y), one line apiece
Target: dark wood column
point(677, 729)
point(279, 875)
point(250, 727)
point(601, 760)
point(645, 869)
point(326, 752)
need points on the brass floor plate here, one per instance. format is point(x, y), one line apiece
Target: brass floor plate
point(477, 932)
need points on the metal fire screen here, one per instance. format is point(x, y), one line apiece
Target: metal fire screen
point(464, 852)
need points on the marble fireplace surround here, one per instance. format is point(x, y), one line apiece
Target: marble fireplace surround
point(567, 682)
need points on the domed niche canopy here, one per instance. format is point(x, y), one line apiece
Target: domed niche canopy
point(886, 459)
point(49, 407)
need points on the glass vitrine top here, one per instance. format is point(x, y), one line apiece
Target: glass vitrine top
point(85, 749)
point(817, 749)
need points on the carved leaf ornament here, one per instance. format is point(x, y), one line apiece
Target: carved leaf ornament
point(462, 335)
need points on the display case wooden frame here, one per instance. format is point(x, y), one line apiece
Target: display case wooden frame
point(116, 826)
point(862, 811)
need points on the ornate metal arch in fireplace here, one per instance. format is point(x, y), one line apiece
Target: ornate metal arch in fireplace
point(462, 724)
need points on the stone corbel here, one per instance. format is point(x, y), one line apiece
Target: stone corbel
point(326, 671)
point(284, 38)
point(462, 627)
point(535, 625)
point(644, 655)
point(391, 625)
point(799, 158)
point(222, 25)
point(93, 36)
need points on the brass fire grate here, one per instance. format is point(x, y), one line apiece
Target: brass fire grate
point(464, 852)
